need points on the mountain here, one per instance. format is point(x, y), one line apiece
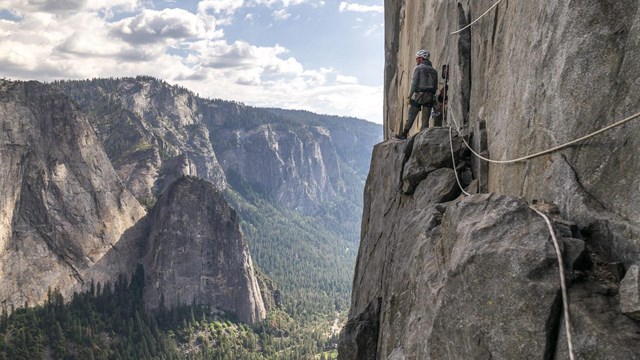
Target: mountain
point(63, 206)
point(192, 252)
point(69, 222)
point(294, 177)
point(442, 275)
point(144, 127)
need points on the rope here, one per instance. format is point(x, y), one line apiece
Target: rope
point(476, 20)
point(563, 285)
point(548, 151)
point(453, 159)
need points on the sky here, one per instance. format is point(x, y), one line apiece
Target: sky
point(317, 55)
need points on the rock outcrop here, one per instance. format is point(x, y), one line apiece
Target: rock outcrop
point(67, 219)
point(147, 125)
point(62, 205)
point(195, 252)
point(530, 76)
point(524, 78)
point(472, 277)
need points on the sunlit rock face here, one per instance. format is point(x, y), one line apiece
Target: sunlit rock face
point(529, 76)
point(195, 252)
point(62, 205)
point(442, 276)
point(474, 278)
point(147, 126)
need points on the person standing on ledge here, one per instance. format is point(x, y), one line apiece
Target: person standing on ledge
point(424, 83)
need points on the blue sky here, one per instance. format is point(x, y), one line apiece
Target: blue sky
point(318, 55)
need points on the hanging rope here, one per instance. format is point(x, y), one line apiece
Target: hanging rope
point(453, 159)
point(476, 20)
point(563, 284)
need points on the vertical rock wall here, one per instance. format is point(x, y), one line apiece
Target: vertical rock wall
point(474, 278)
point(63, 206)
point(537, 75)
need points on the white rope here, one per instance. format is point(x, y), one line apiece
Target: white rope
point(453, 159)
point(548, 151)
point(563, 285)
point(476, 20)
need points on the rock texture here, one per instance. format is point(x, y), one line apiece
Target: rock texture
point(630, 293)
point(529, 76)
point(62, 206)
point(196, 252)
point(147, 125)
point(473, 277)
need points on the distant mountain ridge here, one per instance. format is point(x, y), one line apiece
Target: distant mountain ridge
point(68, 220)
point(295, 177)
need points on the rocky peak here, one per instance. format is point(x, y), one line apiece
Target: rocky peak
point(144, 123)
point(195, 251)
point(63, 206)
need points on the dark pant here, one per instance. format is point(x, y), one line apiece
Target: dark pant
point(414, 109)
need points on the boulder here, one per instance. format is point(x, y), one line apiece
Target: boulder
point(630, 293)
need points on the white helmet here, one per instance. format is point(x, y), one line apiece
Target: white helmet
point(423, 54)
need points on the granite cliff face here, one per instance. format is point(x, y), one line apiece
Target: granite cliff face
point(475, 277)
point(192, 250)
point(63, 206)
point(67, 218)
point(441, 276)
point(196, 252)
point(148, 129)
point(528, 77)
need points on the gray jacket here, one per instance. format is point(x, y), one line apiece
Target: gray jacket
point(424, 77)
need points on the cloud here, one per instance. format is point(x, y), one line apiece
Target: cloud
point(220, 6)
point(281, 15)
point(151, 26)
point(48, 41)
point(66, 7)
point(344, 6)
point(346, 79)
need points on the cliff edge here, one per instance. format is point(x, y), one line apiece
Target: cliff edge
point(475, 277)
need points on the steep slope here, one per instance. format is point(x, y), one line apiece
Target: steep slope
point(440, 277)
point(63, 206)
point(528, 77)
point(197, 253)
point(145, 125)
point(294, 177)
point(474, 277)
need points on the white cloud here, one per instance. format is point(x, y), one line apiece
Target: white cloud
point(354, 7)
point(66, 7)
point(175, 45)
point(346, 79)
point(220, 6)
point(151, 26)
point(283, 3)
point(281, 15)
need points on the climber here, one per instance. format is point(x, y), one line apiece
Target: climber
point(424, 83)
